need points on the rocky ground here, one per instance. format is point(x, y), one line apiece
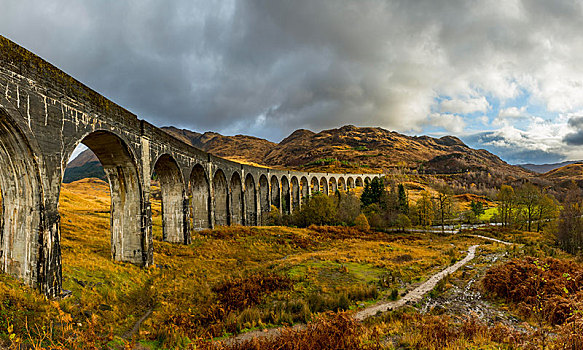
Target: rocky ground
point(463, 295)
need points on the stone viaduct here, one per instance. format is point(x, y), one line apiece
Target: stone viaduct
point(45, 114)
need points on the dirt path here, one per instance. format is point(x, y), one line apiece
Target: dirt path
point(416, 294)
point(137, 325)
point(491, 239)
point(411, 297)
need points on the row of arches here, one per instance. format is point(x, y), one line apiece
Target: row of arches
point(204, 199)
point(222, 201)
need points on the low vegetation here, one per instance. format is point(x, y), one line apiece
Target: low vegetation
point(314, 267)
point(227, 281)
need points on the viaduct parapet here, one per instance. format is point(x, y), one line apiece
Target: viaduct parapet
point(45, 114)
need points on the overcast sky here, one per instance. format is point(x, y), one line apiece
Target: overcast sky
point(502, 75)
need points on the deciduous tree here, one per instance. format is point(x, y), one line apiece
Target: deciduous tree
point(444, 206)
point(528, 197)
point(507, 204)
point(424, 209)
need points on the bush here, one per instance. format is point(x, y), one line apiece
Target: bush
point(558, 284)
point(329, 331)
point(361, 223)
point(274, 216)
point(403, 222)
point(240, 293)
point(319, 209)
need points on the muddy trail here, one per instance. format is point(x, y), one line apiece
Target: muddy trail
point(412, 297)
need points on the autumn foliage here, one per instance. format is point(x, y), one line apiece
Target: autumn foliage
point(329, 331)
point(550, 288)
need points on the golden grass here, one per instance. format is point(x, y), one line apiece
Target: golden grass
point(109, 297)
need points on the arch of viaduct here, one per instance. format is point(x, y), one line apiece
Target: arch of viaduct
point(45, 114)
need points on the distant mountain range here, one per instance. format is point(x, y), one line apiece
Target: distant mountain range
point(543, 168)
point(352, 148)
point(345, 149)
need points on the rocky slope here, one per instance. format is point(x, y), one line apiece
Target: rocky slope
point(351, 148)
point(240, 148)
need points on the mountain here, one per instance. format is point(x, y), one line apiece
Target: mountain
point(543, 168)
point(356, 149)
point(568, 172)
point(239, 148)
point(83, 166)
point(345, 149)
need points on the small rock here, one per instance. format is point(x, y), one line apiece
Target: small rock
point(79, 282)
point(104, 307)
point(65, 293)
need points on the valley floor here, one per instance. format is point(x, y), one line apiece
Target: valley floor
point(238, 279)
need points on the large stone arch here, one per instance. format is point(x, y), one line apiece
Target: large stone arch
point(236, 199)
point(286, 196)
point(21, 255)
point(174, 210)
point(275, 192)
point(358, 182)
point(295, 193)
point(367, 180)
point(250, 201)
point(341, 184)
point(315, 185)
point(200, 198)
point(127, 231)
point(220, 197)
point(332, 185)
point(304, 189)
point(324, 185)
point(264, 200)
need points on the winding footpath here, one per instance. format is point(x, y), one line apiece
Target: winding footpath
point(416, 294)
point(412, 297)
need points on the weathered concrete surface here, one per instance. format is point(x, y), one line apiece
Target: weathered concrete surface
point(45, 114)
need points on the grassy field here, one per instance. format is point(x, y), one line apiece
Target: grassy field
point(229, 280)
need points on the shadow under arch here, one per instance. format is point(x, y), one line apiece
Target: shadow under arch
point(128, 237)
point(324, 185)
point(250, 201)
point(172, 191)
point(220, 197)
point(22, 250)
point(295, 193)
point(332, 185)
point(315, 185)
point(236, 199)
point(275, 192)
point(350, 183)
point(341, 184)
point(286, 196)
point(200, 198)
point(304, 190)
point(264, 202)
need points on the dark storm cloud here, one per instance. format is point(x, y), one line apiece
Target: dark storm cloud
point(267, 67)
point(575, 138)
point(514, 150)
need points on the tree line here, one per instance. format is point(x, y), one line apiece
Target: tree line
point(387, 206)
